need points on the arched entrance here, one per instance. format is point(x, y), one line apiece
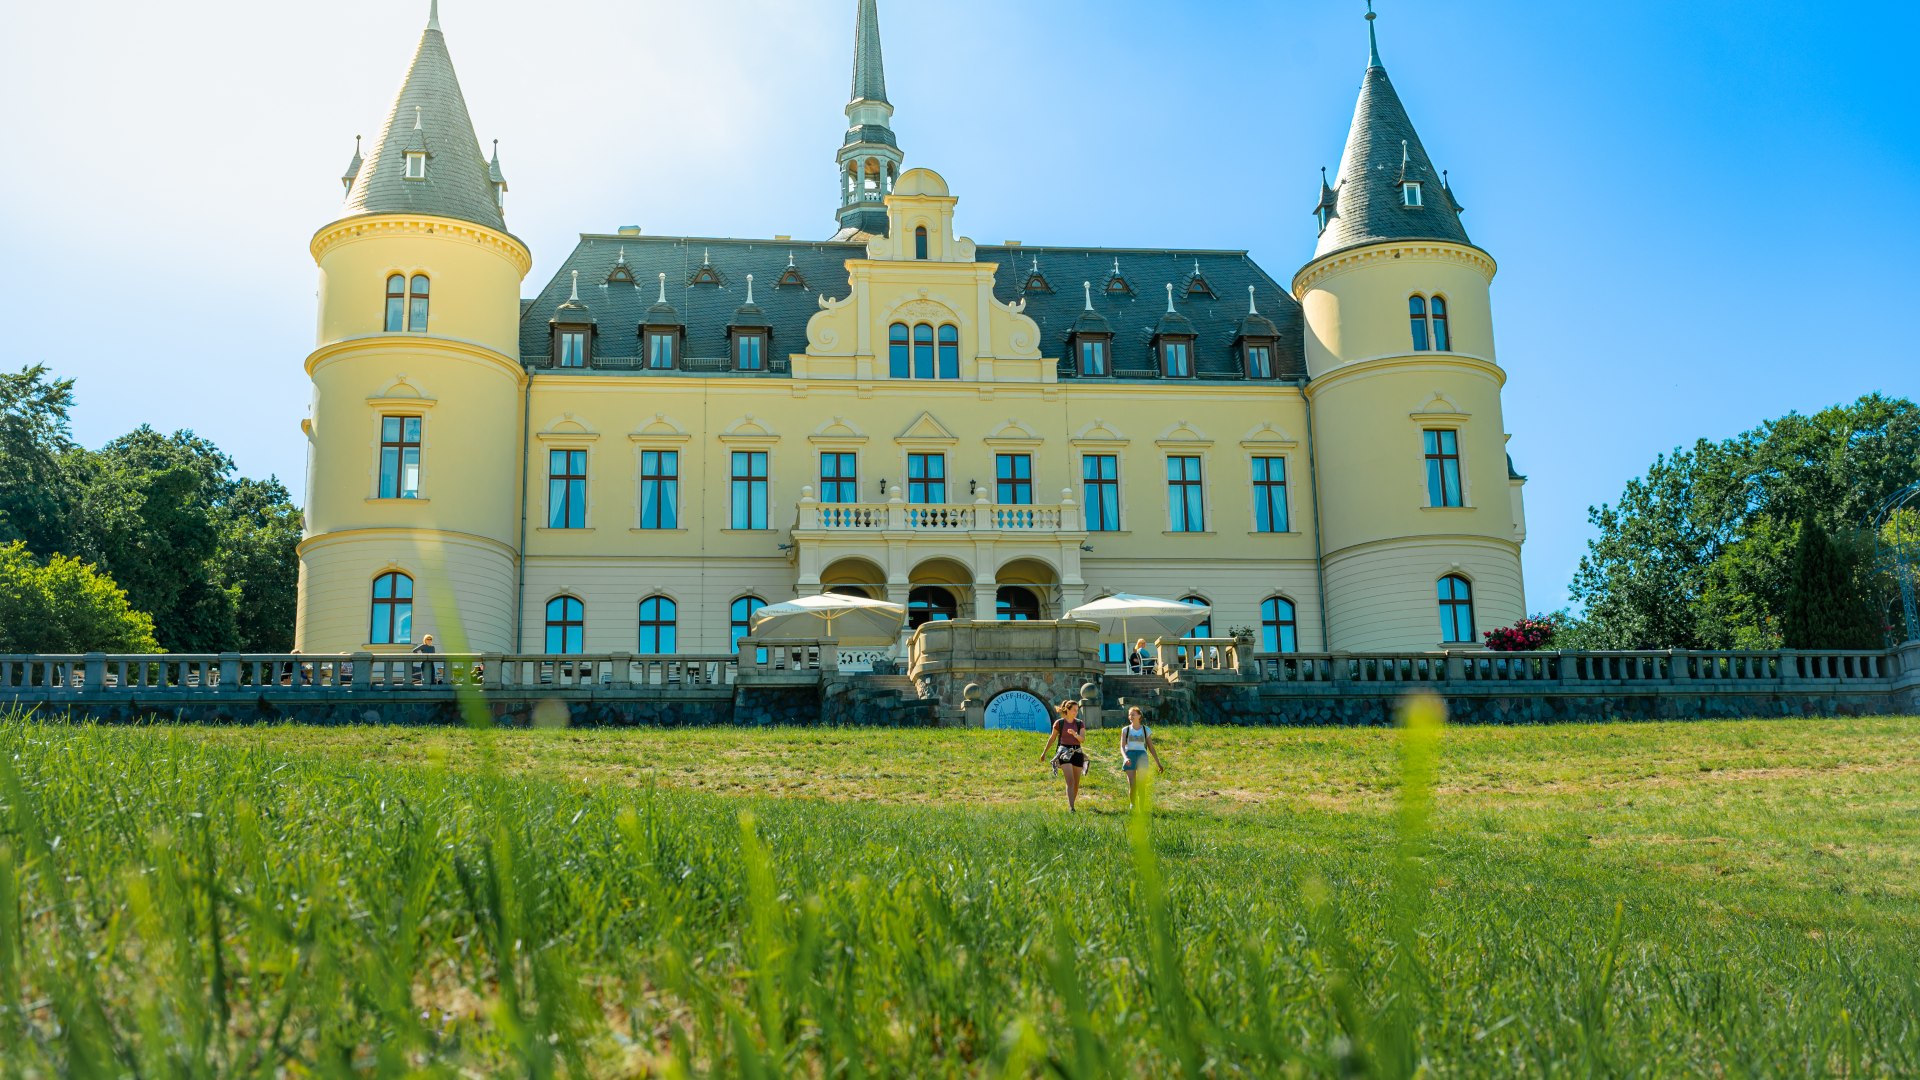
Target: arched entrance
point(855, 577)
point(1025, 590)
point(939, 592)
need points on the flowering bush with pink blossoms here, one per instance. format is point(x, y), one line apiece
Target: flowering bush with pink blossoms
point(1532, 634)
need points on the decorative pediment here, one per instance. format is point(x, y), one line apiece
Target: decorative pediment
point(924, 310)
point(1268, 436)
point(748, 427)
point(1183, 434)
point(837, 430)
point(1016, 433)
point(566, 428)
point(1099, 432)
point(926, 429)
point(1440, 406)
point(662, 428)
point(402, 394)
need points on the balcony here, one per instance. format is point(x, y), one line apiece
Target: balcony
point(898, 517)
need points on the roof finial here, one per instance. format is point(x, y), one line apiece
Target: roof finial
point(1169, 297)
point(575, 298)
point(416, 118)
point(1373, 40)
point(433, 15)
point(1253, 301)
point(789, 260)
point(622, 260)
point(1036, 264)
point(1089, 288)
point(749, 288)
point(1196, 268)
point(663, 288)
point(1116, 266)
point(706, 257)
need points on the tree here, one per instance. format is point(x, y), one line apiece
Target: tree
point(1697, 553)
point(260, 531)
point(35, 498)
point(1825, 609)
point(65, 606)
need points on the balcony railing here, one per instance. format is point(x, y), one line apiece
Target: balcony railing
point(1678, 666)
point(898, 516)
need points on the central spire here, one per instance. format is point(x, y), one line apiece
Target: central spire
point(870, 158)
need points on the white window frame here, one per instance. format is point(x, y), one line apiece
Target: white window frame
point(1411, 196)
point(416, 164)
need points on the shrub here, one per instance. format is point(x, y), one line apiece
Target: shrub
point(65, 606)
point(1531, 634)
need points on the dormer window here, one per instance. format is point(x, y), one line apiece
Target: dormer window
point(1410, 195)
point(416, 164)
point(1094, 350)
point(1176, 357)
point(1258, 356)
point(1325, 216)
point(749, 350)
point(570, 349)
point(500, 196)
point(662, 349)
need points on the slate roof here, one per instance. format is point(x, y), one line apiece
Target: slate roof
point(869, 72)
point(458, 181)
point(1367, 198)
point(707, 310)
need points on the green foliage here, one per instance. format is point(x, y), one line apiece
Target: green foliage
point(210, 556)
point(65, 606)
point(1594, 901)
point(1824, 607)
point(1697, 553)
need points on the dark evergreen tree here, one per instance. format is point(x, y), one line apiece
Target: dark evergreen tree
point(1825, 607)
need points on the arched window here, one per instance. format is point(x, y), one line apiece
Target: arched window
point(396, 303)
point(1456, 610)
point(417, 304)
point(740, 621)
point(920, 242)
point(949, 352)
point(1015, 603)
point(1442, 338)
point(1279, 629)
point(1417, 313)
point(923, 351)
point(1205, 629)
point(900, 352)
point(931, 603)
point(659, 626)
point(392, 610)
point(566, 626)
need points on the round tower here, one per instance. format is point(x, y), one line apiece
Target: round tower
point(416, 431)
point(1420, 511)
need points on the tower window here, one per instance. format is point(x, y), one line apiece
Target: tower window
point(920, 243)
point(417, 304)
point(1443, 469)
point(1325, 217)
point(566, 626)
point(406, 303)
point(392, 610)
point(416, 164)
point(1417, 313)
point(1456, 610)
point(396, 303)
point(1410, 195)
point(399, 457)
point(1442, 339)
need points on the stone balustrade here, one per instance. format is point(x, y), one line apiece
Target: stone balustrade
point(1442, 669)
point(899, 516)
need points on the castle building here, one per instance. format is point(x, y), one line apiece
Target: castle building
point(675, 431)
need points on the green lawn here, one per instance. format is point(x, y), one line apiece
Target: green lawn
point(1720, 898)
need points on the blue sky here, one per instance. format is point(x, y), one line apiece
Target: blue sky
point(1705, 213)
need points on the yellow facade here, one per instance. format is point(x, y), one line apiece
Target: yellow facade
point(487, 551)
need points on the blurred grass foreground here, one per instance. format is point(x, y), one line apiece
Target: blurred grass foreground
point(1713, 898)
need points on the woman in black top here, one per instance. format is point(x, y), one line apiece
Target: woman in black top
point(1066, 749)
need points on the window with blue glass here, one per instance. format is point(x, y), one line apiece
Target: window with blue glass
point(740, 620)
point(400, 457)
point(923, 352)
point(1101, 474)
point(1456, 610)
point(1279, 626)
point(749, 490)
point(1205, 628)
point(1186, 499)
point(659, 626)
point(566, 626)
point(392, 610)
point(1270, 495)
point(660, 489)
point(920, 243)
point(1417, 315)
point(1016, 603)
point(1013, 475)
point(839, 478)
point(1442, 337)
point(1443, 468)
point(949, 352)
point(566, 489)
point(900, 352)
point(927, 479)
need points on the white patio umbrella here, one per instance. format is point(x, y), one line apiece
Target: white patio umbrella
point(1123, 615)
point(849, 620)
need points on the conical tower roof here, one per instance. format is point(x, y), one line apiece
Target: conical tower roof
point(869, 70)
point(1383, 151)
point(428, 114)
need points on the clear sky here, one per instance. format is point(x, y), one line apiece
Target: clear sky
point(1704, 212)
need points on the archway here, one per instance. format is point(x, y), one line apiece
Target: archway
point(1026, 591)
point(855, 577)
point(940, 591)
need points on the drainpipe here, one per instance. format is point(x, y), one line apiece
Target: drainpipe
point(1319, 561)
point(520, 555)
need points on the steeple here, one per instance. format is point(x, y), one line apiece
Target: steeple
point(427, 159)
point(870, 158)
point(1388, 188)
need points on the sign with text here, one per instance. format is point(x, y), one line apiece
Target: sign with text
point(1017, 710)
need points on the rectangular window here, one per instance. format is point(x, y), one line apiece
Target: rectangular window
point(660, 489)
point(1411, 193)
point(1102, 475)
point(749, 352)
point(566, 489)
point(1185, 498)
point(1259, 362)
point(1014, 480)
point(573, 348)
point(749, 489)
point(1093, 357)
point(1270, 495)
point(1176, 359)
point(399, 457)
point(927, 479)
point(1443, 469)
point(839, 478)
point(660, 352)
point(416, 165)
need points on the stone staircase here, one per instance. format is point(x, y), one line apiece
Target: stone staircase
point(878, 701)
point(1165, 702)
